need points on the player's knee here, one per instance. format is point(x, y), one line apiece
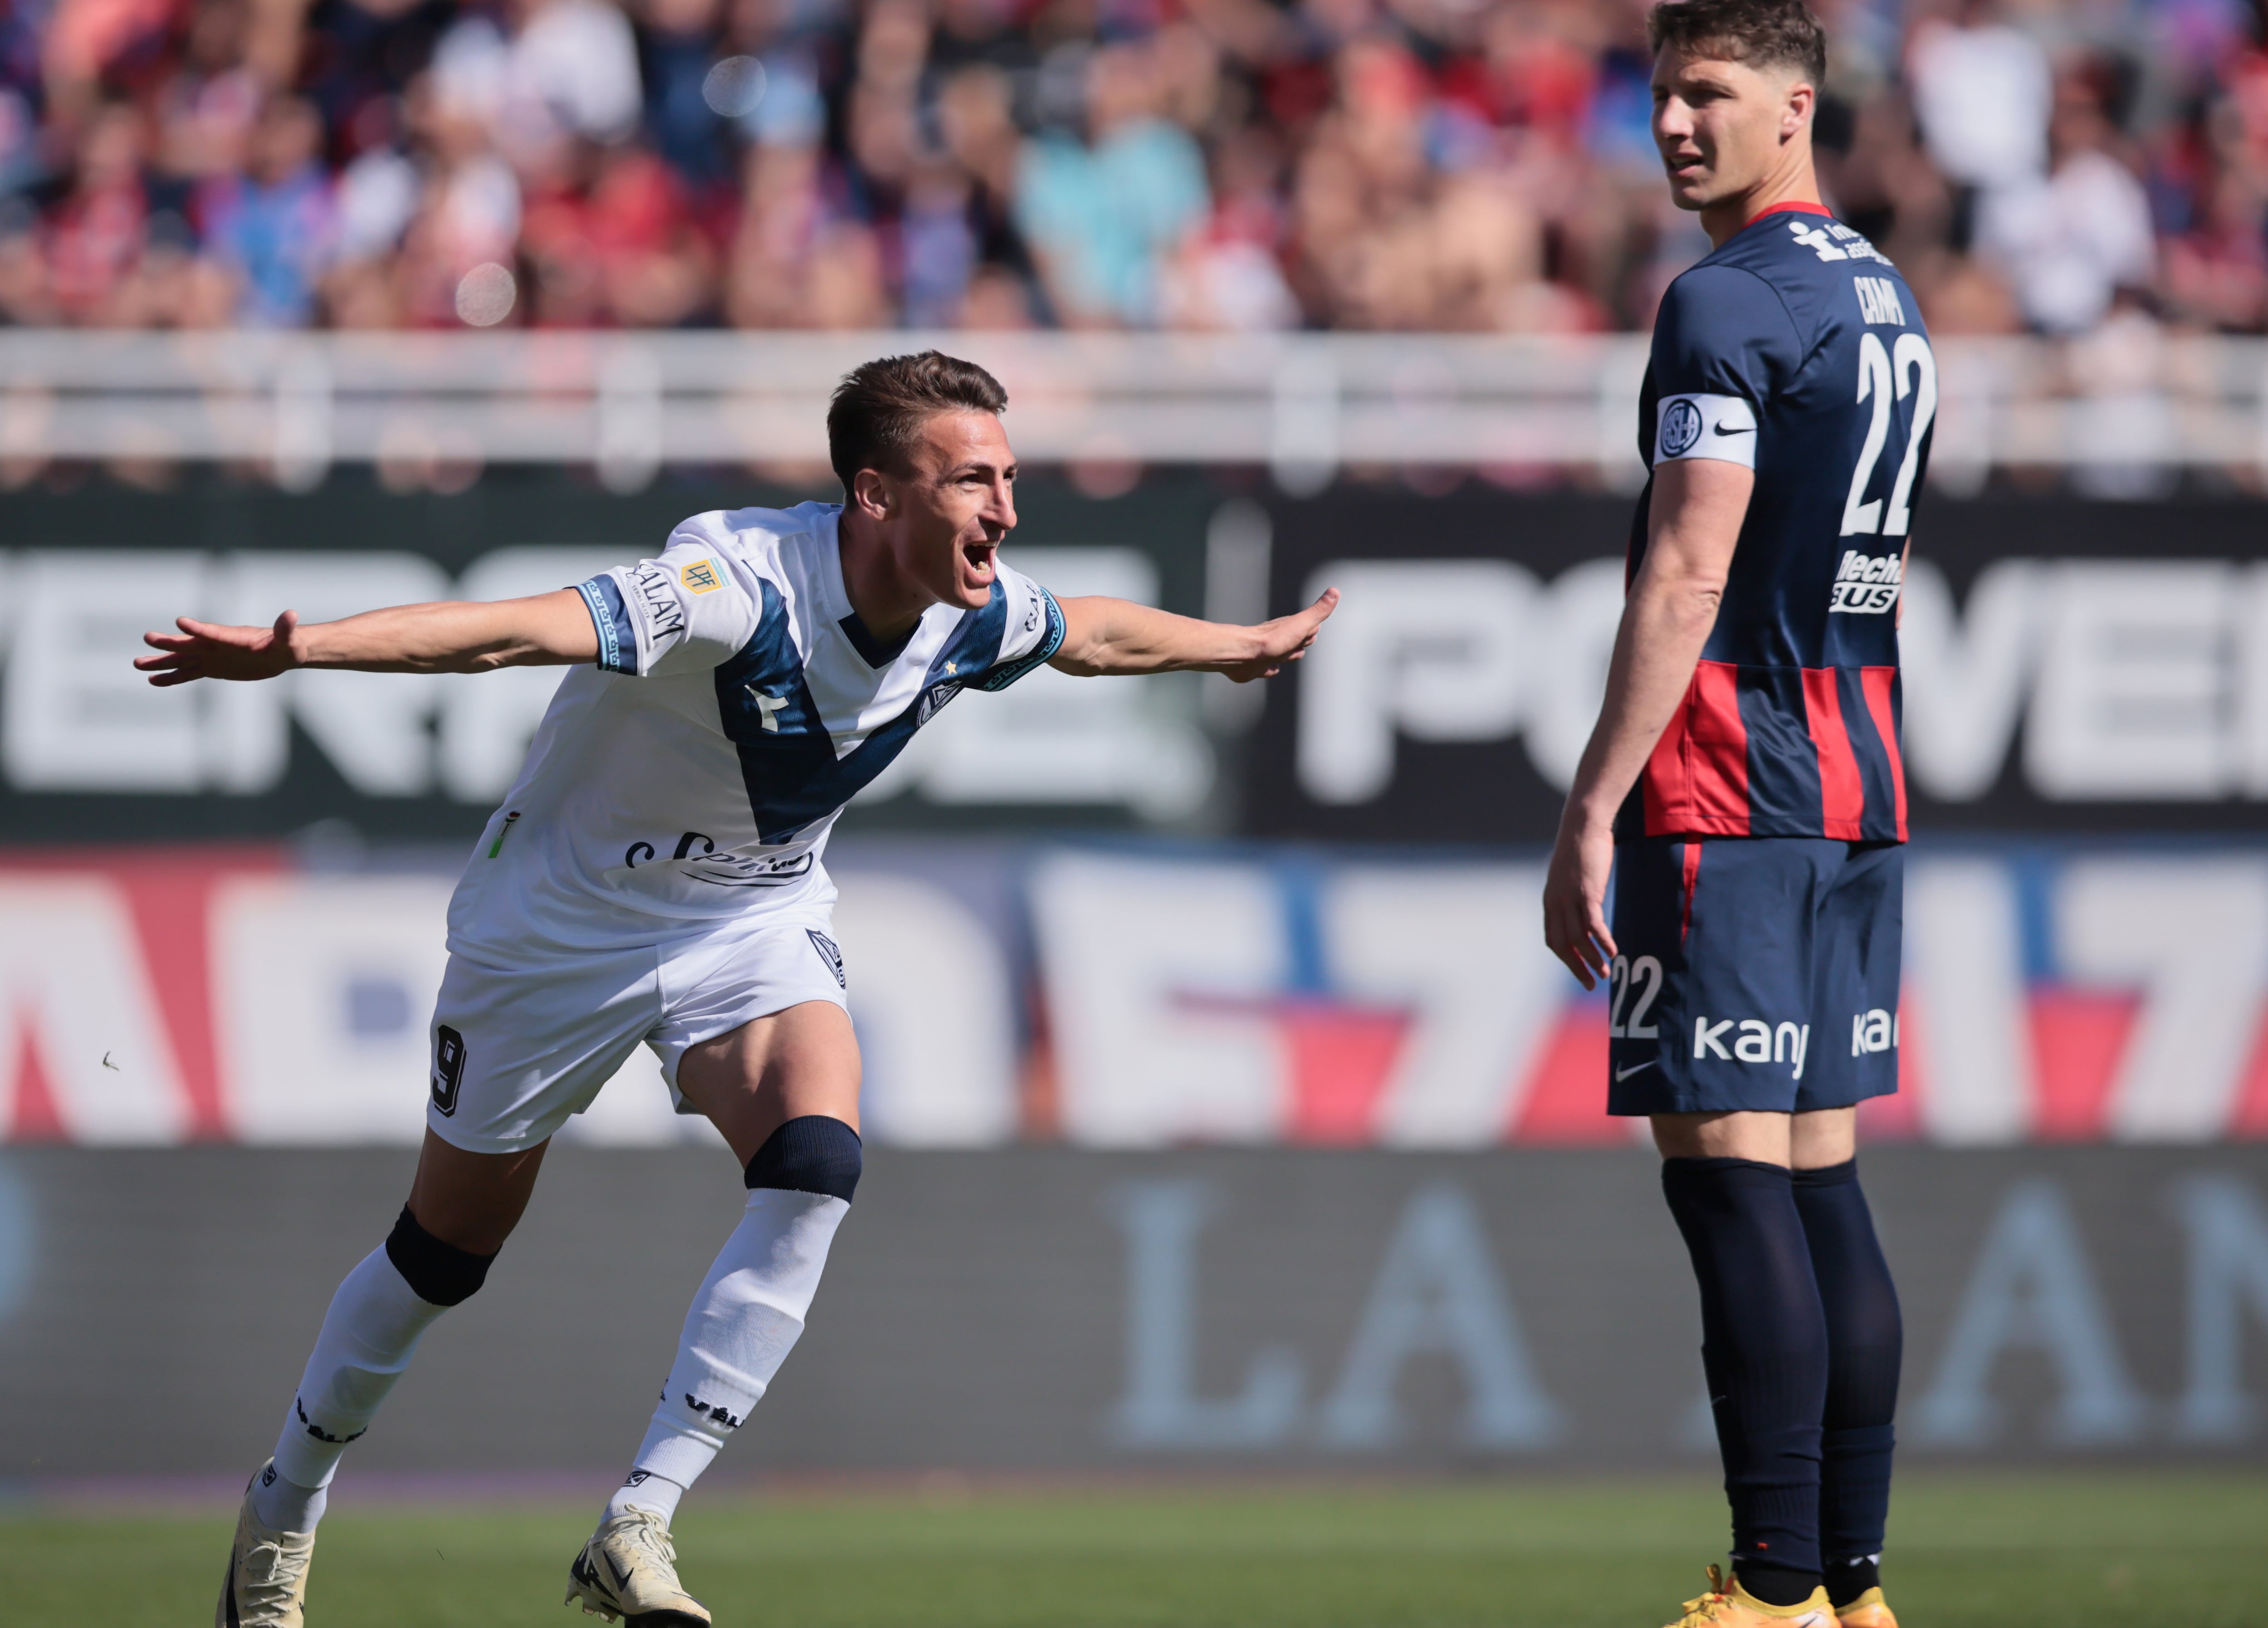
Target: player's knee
point(813, 1155)
point(438, 1272)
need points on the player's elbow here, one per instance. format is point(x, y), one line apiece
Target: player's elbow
point(1079, 664)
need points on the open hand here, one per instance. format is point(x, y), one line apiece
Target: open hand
point(1575, 899)
point(215, 650)
point(1284, 639)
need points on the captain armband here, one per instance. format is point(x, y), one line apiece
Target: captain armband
point(1722, 427)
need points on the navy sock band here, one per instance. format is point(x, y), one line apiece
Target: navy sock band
point(1764, 1346)
point(1865, 1340)
point(813, 1155)
point(438, 1272)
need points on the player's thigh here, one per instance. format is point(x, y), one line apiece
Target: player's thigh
point(1708, 1010)
point(1765, 1137)
point(519, 1049)
point(756, 1031)
point(1855, 976)
point(751, 1080)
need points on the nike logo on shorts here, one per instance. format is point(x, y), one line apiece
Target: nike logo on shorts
point(1621, 1074)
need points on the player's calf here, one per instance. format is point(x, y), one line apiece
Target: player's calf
point(369, 1335)
point(746, 1318)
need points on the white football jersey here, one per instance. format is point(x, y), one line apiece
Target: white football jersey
point(738, 703)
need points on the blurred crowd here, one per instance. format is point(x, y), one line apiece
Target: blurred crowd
point(1216, 165)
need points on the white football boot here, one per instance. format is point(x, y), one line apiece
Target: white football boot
point(628, 1570)
point(267, 1582)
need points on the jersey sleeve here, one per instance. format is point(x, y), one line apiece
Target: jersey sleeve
point(1034, 630)
point(1721, 345)
point(683, 611)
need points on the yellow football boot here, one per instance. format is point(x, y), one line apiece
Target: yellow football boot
point(1728, 1605)
point(1869, 1611)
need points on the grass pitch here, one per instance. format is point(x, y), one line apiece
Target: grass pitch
point(1997, 1551)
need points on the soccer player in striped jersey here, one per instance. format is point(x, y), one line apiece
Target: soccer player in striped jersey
point(655, 878)
point(1743, 785)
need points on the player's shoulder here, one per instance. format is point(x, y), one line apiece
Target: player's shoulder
point(755, 534)
point(1824, 275)
point(787, 548)
point(1803, 257)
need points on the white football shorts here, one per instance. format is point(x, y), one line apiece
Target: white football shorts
point(517, 1049)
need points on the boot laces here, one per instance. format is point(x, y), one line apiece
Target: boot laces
point(1709, 1607)
point(271, 1572)
point(650, 1534)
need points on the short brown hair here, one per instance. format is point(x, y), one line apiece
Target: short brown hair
point(1759, 32)
point(880, 408)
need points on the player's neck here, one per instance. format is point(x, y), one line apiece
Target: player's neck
point(1791, 181)
point(887, 600)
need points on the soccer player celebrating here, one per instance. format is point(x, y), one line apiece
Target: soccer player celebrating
point(655, 876)
point(1743, 783)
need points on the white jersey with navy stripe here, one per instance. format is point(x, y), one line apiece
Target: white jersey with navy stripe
point(738, 703)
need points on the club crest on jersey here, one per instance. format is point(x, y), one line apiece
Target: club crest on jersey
point(699, 578)
point(933, 700)
point(1681, 427)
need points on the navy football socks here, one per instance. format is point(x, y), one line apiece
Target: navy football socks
point(1764, 1347)
point(1865, 1338)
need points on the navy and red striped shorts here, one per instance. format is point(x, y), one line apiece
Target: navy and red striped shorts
point(1753, 973)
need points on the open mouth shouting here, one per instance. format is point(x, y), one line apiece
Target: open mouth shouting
point(976, 563)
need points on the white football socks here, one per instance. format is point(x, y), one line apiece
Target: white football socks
point(283, 1505)
point(644, 1490)
point(369, 1335)
point(746, 1319)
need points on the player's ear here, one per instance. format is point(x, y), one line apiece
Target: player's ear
point(871, 494)
point(1796, 111)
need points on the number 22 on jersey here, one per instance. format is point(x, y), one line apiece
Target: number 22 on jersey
point(1909, 369)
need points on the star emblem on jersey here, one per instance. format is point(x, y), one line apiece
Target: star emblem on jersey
point(767, 707)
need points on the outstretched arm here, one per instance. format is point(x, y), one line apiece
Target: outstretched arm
point(1698, 504)
point(1107, 635)
point(547, 629)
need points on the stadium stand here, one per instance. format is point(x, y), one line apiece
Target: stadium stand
point(1446, 165)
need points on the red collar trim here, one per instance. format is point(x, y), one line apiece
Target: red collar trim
point(1791, 208)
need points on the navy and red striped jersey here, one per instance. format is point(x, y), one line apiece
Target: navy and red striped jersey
point(1795, 348)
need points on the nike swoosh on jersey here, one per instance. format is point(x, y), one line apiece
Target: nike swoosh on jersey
point(1635, 1068)
point(1721, 430)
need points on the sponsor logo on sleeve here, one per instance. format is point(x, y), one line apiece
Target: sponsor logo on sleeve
point(657, 595)
point(700, 577)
